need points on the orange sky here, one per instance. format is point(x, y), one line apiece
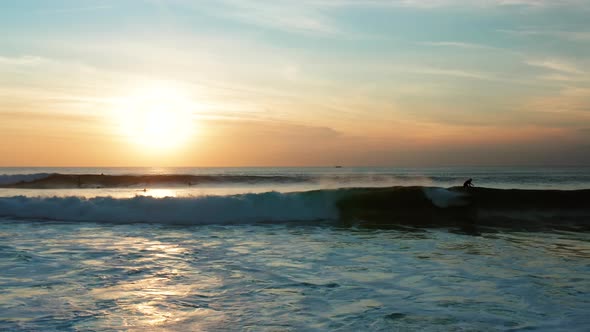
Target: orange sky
point(294, 84)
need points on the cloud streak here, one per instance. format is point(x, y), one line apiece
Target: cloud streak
point(577, 36)
point(555, 65)
point(299, 17)
point(457, 45)
point(74, 9)
point(449, 72)
point(451, 3)
point(25, 60)
point(316, 16)
point(467, 46)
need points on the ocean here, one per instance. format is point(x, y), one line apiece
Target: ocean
point(295, 249)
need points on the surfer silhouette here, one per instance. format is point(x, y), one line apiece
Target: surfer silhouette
point(468, 183)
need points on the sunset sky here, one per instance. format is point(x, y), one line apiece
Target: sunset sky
point(294, 83)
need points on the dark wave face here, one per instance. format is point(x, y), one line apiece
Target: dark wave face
point(381, 207)
point(431, 206)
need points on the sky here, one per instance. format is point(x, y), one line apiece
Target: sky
point(294, 83)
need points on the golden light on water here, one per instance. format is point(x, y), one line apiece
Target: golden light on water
point(156, 117)
point(157, 294)
point(158, 193)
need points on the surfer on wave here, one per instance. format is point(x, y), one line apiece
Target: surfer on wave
point(468, 183)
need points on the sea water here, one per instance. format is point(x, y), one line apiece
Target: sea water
point(263, 257)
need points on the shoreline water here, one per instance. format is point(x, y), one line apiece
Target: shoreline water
point(113, 277)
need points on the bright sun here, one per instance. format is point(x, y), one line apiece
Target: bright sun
point(157, 117)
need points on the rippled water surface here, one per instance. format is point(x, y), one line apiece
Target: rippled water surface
point(85, 276)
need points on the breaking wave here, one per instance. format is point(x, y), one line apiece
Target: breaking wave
point(246, 208)
point(371, 206)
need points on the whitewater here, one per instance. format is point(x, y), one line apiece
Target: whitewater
point(314, 249)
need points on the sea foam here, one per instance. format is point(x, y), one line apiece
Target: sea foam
point(246, 208)
point(393, 205)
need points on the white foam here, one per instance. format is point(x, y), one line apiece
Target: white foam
point(444, 198)
point(246, 208)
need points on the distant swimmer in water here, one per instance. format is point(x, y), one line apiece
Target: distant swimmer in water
point(468, 183)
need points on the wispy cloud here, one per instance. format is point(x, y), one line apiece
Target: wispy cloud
point(454, 3)
point(568, 35)
point(25, 60)
point(564, 78)
point(536, 3)
point(456, 44)
point(316, 16)
point(446, 72)
point(555, 65)
point(319, 18)
point(558, 70)
point(468, 46)
point(302, 17)
point(74, 9)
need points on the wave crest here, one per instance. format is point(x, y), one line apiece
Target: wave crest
point(246, 208)
point(373, 206)
point(12, 179)
point(57, 181)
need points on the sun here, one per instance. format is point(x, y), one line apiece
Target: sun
point(156, 117)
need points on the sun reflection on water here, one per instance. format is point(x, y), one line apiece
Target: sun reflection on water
point(158, 289)
point(158, 193)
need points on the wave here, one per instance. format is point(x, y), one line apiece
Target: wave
point(431, 206)
point(246, 208)
point(58, 181)
point(333, 181)
point(11, 179)
point(301, 180)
